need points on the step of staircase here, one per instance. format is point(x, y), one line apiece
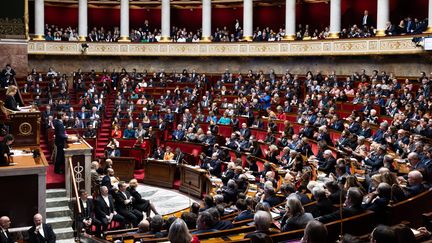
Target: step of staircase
point(57, 202)
point(64, 233)
point(53, 212)
point(51, 193)
point(58, 215)
point(60, 222)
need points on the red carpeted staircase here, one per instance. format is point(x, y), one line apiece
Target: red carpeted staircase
point(105, 131)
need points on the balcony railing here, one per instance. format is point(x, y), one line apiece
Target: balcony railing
point(369, 46)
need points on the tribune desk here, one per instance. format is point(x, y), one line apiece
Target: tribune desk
point(159, 172)
point(23, 192)
point(81, 153)
point(194, 180)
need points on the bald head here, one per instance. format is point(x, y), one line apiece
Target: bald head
point(5, 222)
point(37, 219)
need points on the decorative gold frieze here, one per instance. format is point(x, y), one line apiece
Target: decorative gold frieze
point(372, 46)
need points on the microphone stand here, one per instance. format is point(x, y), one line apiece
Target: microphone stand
point(391, 195)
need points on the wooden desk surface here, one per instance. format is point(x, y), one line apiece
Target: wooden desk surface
point(78, 146)
point(25, 161)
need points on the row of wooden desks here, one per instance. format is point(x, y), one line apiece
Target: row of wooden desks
point(193, 180)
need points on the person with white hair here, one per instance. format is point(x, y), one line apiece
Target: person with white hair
point(179, 233)
point(328, 165)
point(295, 217)
point(263, 222)
point(415, 184)
point(41, 232)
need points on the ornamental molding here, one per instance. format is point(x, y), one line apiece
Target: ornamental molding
point(343, 47)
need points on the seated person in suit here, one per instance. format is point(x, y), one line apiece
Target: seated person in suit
point(90, 132)
point(353, 206)
point(5, 150)
point(315, 231)
point(129, 132)
point(87, 218)
point(295, 216)
point(263, 221)
point(5, 237)
point(124, 205)
point(220, 224)
point(139, 203)
point(205, 223)
point(230, 192)
point(41, 232)
point(244, 212)
point(105, 210)
point(328, 165)
point(156, 224)
point(415, 184)
point(324, 205)
point(178, 134)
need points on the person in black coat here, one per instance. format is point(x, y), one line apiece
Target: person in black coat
point(5, 150)
point(40, 232)
point(230, 193)
point(140, 203)
point(60, 140)
point(328, 165)
point(5, 237)
point(10, 102)
point(323, 204)
point(353, 206)
point(105, 211)
point(244, 212)
point(124, 205)
point(87, 218)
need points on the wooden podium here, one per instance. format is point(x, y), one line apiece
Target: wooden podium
point(81, 154)
point(159, 172)
point(25, 127)
point(194, 181)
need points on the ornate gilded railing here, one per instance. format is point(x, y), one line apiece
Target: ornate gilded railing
point(369, 46)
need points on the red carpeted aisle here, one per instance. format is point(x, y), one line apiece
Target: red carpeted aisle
point(54, 180)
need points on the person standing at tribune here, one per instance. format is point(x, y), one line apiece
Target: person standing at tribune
point(60, 140)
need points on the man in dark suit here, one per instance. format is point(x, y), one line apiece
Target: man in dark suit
point(244, 212)
point(60, 140)
point(415, 184)
point(245, 131)
point(124, 205)
point(328, 166)
point(215, 166)
point(87, 219)
point(179, 133)
point(376, 159)
point(104, 209)
point(5, 237)
point(353, 206)
point(40, 232)
point(366, 20)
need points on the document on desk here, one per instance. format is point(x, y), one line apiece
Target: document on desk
point(18, 152)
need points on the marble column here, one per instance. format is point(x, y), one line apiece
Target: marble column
point(206, 20)
point(166, 21)
point(124, 20)
point(335, 18)
point(39, 20)
point(429, 29)
point(383, 16)
point(290, 19)
point(247, 20)
point(82, 20)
